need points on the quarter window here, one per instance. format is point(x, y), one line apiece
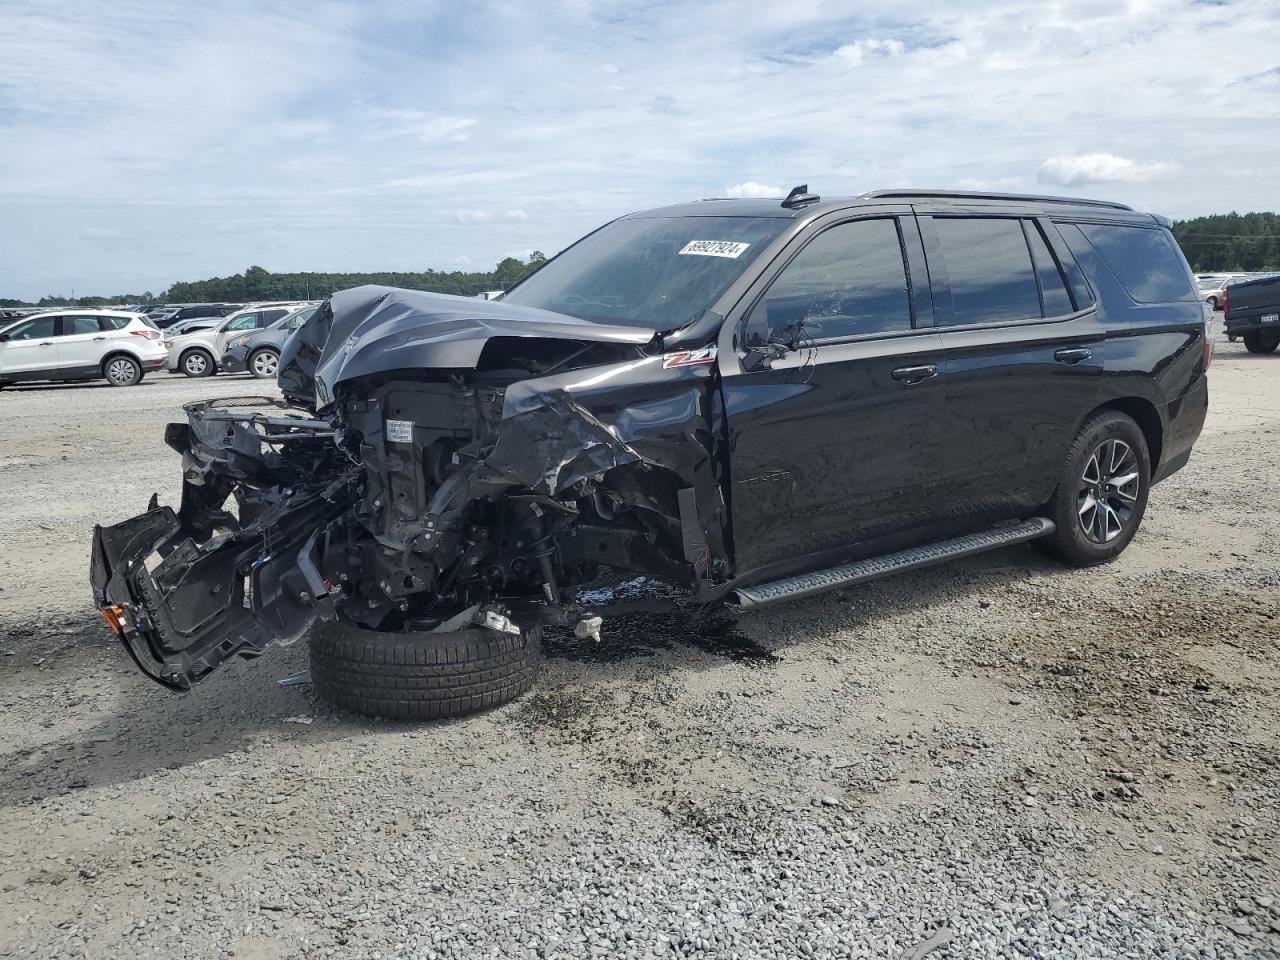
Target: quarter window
point(990, 270)
point(1145, 260)
point(850, 280)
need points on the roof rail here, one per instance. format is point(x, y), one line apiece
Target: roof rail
point(979, 195)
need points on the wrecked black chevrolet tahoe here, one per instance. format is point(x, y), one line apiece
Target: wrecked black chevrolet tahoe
point(746, 400)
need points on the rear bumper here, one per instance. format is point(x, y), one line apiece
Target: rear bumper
point(1253, 323)
point(1184, 419)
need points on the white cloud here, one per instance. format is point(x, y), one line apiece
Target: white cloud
point(1070, 171)
point(750, 188)
point(855, 53)
point(488, 216)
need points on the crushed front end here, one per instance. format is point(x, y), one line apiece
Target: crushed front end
point(429, 471)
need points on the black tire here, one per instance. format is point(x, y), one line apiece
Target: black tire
point(421, 676)
point(1068, 508)
point(196, 363)
point(257, 359)
point(1256, 341)
point(121, 371)
point(1213, 302)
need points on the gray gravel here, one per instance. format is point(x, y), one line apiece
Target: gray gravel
point(995, 758)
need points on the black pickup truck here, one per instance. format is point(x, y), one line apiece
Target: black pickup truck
point(1252, 311)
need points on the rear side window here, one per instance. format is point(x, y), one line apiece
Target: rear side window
point(1056, 301)
point(849, 281)
point(116, 323)
point(270, 316)
point(75, 325)
point(1145, 261)
point(989, 268)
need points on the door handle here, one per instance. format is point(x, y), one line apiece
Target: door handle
point(1074, 355)
point(46, 343)
point(99, 338)
point(915, 374)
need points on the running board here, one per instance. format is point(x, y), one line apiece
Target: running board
point(873, 568)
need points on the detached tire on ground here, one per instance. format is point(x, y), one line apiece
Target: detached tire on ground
point(421, 676)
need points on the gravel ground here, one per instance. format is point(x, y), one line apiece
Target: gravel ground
point(994, 758)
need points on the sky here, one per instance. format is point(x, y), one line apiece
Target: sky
point(146, 142)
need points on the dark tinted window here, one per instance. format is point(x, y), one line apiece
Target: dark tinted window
point(270, 316)
point(1145, 261)
point(653, 272)
point(34, 329)
point(990, 270)
point(1052, 288)
point(849, 280)
point(75, 325)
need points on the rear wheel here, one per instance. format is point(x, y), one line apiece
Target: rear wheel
point(196, 363)
point(1213, 302)
point(1102, 491)
point(1256, 341)
point(421, 676)
point(121, 371)
point(264, 363)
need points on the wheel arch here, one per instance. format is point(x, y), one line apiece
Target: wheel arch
point(1144, 413)
point(118, 352)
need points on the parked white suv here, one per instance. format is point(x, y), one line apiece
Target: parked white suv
point(80, 345)
point(195, 353)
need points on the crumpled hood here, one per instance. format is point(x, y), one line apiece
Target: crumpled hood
point(373, 329)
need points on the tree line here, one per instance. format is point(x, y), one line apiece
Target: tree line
point(1231, 242)
point(257, 283)
point(1221, 242)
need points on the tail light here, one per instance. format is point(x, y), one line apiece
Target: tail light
point(1226, 300)
point(149, 334)
point(1208, 352)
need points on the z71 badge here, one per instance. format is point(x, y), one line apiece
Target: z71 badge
point(689, 358)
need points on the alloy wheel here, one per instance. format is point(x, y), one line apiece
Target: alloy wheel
point(1109, 490)
point(195, 364)
point(265, 363)
point(122, 372)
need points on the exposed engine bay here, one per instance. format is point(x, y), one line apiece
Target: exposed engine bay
point(434, 463)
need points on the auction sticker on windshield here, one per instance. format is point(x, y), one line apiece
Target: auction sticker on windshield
point(714, 248)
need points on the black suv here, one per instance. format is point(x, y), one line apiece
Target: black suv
point(750, 400)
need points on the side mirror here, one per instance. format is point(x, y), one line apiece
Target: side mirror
point(4, 338)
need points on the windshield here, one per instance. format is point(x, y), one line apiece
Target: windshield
point(1209, 284)
point(658, 273)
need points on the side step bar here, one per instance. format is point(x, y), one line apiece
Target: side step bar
point(872, 568)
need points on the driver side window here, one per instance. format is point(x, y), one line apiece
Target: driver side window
point(850, 280)
point(35, 330)
point(248, 321)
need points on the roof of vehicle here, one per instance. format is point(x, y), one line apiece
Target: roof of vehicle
point(1048, 205)
point(96, 311)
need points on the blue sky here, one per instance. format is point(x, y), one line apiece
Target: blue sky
point(146, 142)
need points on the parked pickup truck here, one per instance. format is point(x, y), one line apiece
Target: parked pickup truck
point(1252, 311)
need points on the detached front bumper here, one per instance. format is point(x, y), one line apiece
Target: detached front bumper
point(183, 614)
point(185, 591)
